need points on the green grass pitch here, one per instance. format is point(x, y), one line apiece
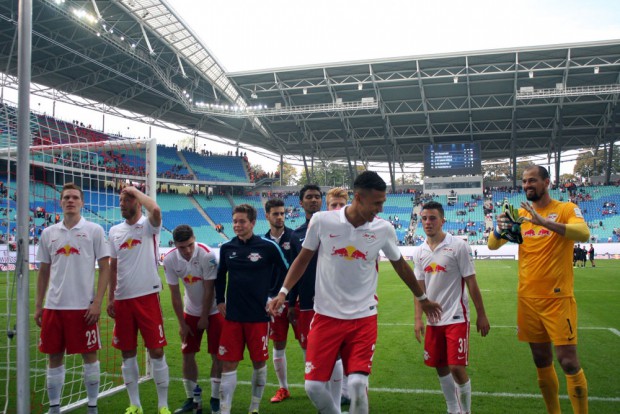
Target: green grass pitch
point(502, 373)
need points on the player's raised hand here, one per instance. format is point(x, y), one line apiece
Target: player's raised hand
point(536, 218)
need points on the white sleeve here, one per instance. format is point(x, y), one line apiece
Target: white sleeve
point(419, 273)
point(43, 253)
point(101, 245)
point(312, 240)
point(171, 277)
point(465, 260)
point(112, 246)
point(152, 229)
point(390, 247)
point(209, 266)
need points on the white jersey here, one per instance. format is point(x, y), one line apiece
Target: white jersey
point(72, 254)
point(347, 274)
point(136, 249)
point(202, 266)
point(444, 271)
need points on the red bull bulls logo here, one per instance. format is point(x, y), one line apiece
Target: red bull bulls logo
point(435, 268)
point(190, 280)
point(350, 253)
point(532, 233)
point(67, 250)
point(129, 244)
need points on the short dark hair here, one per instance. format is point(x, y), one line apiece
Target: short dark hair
point(369, 180)
point(307, 187)
point(542, 171)
point(71, 186)
point(182, 233)
point(247, 209)
point(434, 205)
point(273, 202)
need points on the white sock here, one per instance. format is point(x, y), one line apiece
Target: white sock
point(55, 381)
point(335, 382)
point(279, 364)
point(321, 398)
point(91, 381)
point(228, 385)
point(189, 386)
point(448, 386)
point(345, 385)
point(259, 379)
point(358, 390)
point(465, 396)
point(215, 387)
point(130, 376)
point(161, 376)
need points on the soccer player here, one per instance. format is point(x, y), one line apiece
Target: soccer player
point(546, 307)
point(280, 234)
point(67, 253)
point(591, 255)
point(345, 321)
point(443, 266)
point(196, 266)
point(248, 269)
point(133, 298)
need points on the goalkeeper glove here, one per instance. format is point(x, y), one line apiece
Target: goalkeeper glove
point(511, 230)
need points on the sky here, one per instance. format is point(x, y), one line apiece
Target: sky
point(251, 35)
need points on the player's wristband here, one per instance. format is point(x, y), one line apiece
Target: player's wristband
point(422, 297)
point(284, 290)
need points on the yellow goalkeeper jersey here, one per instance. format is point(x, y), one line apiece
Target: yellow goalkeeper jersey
point(545, 257)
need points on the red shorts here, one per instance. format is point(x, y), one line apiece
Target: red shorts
point(353, 339)
point(138, 314)
point(278, 328)
point(192, 342)
point(303, 327)
point(235, 335)
point(214, 331)
point(446, 345)
point(66, 331)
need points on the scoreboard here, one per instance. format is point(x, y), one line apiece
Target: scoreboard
point(441, 160)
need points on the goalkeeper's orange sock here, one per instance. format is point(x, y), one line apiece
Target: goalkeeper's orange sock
point(578, 392)
point(550, 388)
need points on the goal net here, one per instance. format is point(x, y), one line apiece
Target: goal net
point(101, 165)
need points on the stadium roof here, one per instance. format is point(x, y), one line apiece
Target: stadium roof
point(138, 55)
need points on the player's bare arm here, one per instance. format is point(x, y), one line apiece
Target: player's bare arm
point(209, 288)
point(404, 271)
point(177, 306)
point(112, 286)
point(295, 272)
point(482, 322)
point(43, 280)
point(94, 310)
point(419, 326)
point(147, 202)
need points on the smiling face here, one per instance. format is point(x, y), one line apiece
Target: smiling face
point(242, 226)
point(369, 203)
point(534, 186)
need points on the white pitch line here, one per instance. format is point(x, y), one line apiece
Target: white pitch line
point(412, 390)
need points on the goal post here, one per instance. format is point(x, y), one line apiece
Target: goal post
point(61, 152)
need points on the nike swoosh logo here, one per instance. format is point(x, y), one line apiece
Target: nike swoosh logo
point(302, 239)
point(331, 236)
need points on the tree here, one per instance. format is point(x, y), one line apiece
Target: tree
point(496, 170)
point(594, 162)
point(289, 174)
point(326, 173)
point(410, 179)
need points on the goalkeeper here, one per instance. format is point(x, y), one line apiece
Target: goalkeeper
point(546, 308)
